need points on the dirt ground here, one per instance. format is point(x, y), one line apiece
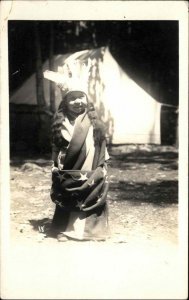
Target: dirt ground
point(141, 259)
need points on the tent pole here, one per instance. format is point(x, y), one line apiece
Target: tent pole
point(51, 67)
point(39, 73)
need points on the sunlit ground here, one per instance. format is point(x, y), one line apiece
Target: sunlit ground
point(141, 260)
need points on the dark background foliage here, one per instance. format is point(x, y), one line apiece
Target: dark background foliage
point(146, 50)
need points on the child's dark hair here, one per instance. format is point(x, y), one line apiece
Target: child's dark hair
point(98, 126)
point(56, 127)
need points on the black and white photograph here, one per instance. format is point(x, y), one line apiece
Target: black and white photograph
point(94, 139)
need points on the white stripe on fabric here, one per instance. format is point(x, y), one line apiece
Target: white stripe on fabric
point(67, 130)
point(76, 225)
point(90, 150)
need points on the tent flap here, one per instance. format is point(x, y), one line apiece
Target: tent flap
point(131, 115)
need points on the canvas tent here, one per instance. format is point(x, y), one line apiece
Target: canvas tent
point(130, 113)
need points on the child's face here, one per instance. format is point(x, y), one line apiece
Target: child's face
point(76, 102)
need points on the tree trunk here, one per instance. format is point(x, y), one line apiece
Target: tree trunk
point(39, 73)
point(51, 67)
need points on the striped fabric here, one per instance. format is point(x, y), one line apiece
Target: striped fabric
point(80, 189)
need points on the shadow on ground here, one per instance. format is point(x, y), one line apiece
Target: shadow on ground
point(40, 225)
point(167, 160)
point(160, 192)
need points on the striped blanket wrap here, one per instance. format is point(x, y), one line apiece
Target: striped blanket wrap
point(73, 188)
